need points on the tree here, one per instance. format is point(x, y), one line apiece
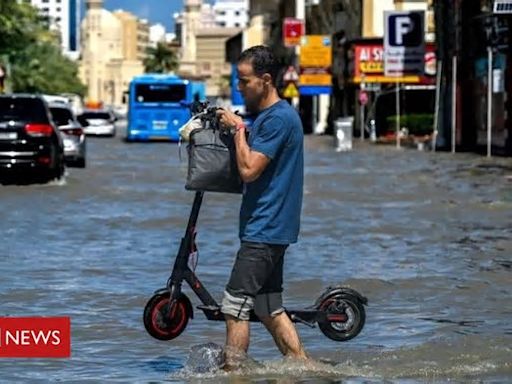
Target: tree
point(160, 59)
point(32, 52)
point(35, 70)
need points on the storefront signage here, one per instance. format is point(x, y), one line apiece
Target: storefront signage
point(369, 66)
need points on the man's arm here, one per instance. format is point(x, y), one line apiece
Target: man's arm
point(251, 164)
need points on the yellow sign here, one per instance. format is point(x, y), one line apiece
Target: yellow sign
point(412, 79)
point(316, 79)
point(291, 91)
point(316, 51)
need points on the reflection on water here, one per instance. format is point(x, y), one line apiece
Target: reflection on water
point(426, 237)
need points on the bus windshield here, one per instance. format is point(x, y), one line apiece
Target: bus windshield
point(160, 93)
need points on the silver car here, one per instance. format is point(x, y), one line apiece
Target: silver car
point(98, 122)
point(72, 134)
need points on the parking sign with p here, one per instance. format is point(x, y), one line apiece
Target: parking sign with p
point(404, 44)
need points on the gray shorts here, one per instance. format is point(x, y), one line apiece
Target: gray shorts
point(256, 281)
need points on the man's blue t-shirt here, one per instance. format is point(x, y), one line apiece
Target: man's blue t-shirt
point(271, 205)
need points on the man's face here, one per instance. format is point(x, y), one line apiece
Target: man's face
point(252, 87)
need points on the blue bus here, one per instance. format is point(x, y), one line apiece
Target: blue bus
point(158, 106)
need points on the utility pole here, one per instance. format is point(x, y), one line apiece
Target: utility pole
point(299, 14)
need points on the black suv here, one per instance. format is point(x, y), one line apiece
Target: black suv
point(29, 140)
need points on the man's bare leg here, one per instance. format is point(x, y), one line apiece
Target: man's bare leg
point(285, 335)
point(237, 342)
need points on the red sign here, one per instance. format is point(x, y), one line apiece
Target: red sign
point(293, 30)
point(35, 337)
point(369, 66)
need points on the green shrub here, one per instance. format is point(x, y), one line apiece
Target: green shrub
point(416, 124)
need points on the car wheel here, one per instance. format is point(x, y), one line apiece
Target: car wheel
point(58, 171)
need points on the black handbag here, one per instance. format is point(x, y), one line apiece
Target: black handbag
point(212, 161)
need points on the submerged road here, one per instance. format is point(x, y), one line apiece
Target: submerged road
point(427, 237)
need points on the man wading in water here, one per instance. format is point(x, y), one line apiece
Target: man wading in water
point(271, 165)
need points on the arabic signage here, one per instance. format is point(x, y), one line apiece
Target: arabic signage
point(369, 66)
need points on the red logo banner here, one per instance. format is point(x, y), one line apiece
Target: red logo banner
point(35, 337)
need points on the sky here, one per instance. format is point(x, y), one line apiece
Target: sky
point(156, 11)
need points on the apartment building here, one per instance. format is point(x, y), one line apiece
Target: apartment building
point(231, 13)
point(64, 17)
point(135, 35)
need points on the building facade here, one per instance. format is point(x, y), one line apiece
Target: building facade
point(475, 48)
point(211, 59)
point(373, 15)
point(202, 42)
point(135, 35)
point(108, 61)
point(231, 13)
point(63, 16)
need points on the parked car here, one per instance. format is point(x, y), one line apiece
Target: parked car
point(29, 140)
point(98, 122)
point(72, 132)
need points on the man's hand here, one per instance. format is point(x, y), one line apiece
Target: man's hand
point(228, 119)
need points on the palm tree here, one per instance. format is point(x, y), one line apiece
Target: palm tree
point(160, 59)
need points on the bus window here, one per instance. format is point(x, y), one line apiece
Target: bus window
point(160, 93)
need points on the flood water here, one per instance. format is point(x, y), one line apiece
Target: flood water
point(426, 237)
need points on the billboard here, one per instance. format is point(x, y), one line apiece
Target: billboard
point(369, 66)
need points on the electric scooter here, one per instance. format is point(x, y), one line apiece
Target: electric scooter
point(339, 311)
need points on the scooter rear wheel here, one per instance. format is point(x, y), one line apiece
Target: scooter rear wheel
point(345, 316)
point(164, 321)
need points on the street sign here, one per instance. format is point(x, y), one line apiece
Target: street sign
point(291, 74)
point(293, 30)
point(291, 91)
point(502, 6)
point(315, 65)
point(404, 43)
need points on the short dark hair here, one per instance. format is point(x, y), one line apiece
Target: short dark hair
point(262, 60)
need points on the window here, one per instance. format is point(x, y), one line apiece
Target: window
point(95, 115)
point(160, 93)
point(22, 109)
point(61, 116)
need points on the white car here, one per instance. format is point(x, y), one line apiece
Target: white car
point(98, 122)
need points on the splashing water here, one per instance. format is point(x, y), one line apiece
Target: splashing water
point(204, 358)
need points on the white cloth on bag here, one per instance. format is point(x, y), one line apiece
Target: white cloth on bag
point(193, 123)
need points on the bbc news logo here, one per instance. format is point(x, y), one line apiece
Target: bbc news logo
point(35, 337)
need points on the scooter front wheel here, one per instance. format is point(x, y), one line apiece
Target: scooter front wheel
point(345, 316)
point(164, 320)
